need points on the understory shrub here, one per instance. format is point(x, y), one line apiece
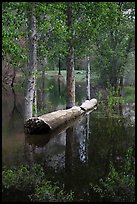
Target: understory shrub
point(119, 185)
point(33, 181)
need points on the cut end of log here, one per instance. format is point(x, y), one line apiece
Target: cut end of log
point(36, 126)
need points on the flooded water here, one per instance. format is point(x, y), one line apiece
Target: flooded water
point(77, 155)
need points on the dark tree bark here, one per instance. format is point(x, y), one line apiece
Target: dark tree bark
point(43, 94)
point(59, 66)
point(70, 60)
point(59, 86)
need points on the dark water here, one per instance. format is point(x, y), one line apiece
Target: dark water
point(77, 155)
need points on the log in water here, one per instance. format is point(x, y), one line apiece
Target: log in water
point(50, 121)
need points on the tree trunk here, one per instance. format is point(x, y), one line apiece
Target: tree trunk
point(59, 86)
point(59, 66)
point(32, 61)
point(88, 79)
point(35, 111)
point(43, 94)
point(70, 61)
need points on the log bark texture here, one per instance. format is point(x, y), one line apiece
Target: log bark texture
point(50, 121)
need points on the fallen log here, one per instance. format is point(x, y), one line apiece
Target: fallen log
point(39, 140)
point(50, 121)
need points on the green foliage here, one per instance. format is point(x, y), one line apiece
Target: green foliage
point(52, 30)
point(99, 96)
point(51, 193)
point(22, 178)
point(100, 29)
point(113, 44)
point(129, 94)
point(13, 21)
point(34, 109)
point(42, 111)
point(110, 98)
point(117, 96)
point(113, 97)
point(33, 181)
point(119, 185)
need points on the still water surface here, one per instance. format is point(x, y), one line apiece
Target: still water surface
point(77, 155)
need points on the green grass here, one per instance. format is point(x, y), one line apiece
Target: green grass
point(129, 94)
point(80, 75)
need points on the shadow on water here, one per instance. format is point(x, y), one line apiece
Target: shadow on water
point(75, 155)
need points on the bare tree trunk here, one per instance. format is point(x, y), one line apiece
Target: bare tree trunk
point(32, 61)
point(70, 102)
point(35, 102)
point(43, 96)
point(59, 66)
point(88, 79)
point(59, 86)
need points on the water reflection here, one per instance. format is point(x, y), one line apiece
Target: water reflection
point(72, 150)
point(94, 126)
point(12, 127)
point(55, 140)
point(82, 149)
point(77, 139)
